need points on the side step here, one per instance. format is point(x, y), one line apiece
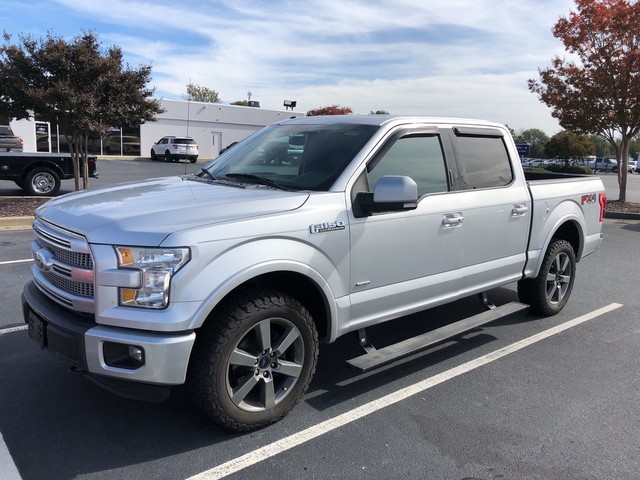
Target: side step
point(377, 358)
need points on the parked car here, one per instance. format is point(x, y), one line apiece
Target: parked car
point(533, 162)
point(174, 148)
point(39, 173)
point(604, 165)
point(633, 166)
point(8, 141)
point(230, 284)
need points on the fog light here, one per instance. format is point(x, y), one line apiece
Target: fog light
point(121, 355)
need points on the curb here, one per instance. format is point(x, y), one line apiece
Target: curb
point(622, 216)
point(16, 223)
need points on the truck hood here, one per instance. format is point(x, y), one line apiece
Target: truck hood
point(144, 213)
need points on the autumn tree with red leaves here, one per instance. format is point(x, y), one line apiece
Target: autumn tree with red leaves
point(597, 90)
point(331, 110)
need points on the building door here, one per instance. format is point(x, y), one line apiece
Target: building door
point(216, 139)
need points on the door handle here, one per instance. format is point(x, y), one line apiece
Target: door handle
point(452, 220)
point(519, 210)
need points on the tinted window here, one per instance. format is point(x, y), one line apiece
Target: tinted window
point(418, 157)
point(484, 162)
point(188, 141)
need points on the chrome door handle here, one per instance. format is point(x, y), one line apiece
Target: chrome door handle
point(519, 210)
point(452, 220)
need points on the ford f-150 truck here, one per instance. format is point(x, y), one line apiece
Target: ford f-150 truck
point(309, 229)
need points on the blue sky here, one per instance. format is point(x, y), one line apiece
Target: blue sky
point(461, 58)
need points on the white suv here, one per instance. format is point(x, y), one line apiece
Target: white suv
point(175, 148)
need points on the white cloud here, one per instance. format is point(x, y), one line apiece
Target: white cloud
point(442, 57)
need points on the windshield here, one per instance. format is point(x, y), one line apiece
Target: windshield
point(293, 157)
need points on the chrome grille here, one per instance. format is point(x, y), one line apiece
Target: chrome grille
point(63, 266)
point(66, 284)
point(81, 260)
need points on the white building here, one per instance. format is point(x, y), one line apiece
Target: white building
point(212, 125)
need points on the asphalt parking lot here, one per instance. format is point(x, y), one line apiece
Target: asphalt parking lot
point(522, 398)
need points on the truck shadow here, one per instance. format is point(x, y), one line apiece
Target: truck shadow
point(336, 382)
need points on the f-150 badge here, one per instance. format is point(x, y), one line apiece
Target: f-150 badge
point(326, 227)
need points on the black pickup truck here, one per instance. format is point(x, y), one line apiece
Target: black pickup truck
point(40, 173)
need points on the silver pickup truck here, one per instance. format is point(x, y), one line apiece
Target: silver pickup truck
point(307, 230)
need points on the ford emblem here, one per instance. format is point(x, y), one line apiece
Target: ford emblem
point(42, 260)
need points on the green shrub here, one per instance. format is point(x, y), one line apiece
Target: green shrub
point(560, 168)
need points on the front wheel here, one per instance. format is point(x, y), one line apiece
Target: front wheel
point(549, 292)
point(253, 360)
point(153, 155)
point(42, 181)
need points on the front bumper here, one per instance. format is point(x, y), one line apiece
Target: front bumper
point(80, 341)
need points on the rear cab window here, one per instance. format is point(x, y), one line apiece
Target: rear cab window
point(482, 158)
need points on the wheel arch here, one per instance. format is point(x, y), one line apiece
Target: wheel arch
point(32, 166)
point(569, 228)
point(297, 280)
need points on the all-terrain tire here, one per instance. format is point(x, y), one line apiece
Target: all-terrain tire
point(253, 359)
point(548, 293)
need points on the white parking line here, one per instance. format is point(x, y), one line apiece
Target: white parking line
point(273, 449)
point(8, 469)
point(4, 331)
point(9, 262)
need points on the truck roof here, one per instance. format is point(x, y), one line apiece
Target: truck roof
point(385, 119)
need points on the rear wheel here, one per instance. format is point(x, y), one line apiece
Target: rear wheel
point(549, 292)
point(42, 181)
point(254, 360)
point(167, 156)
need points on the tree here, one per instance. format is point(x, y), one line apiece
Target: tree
point(330, 110)
point(534, 137)
point(603, 148)
point(240, 103)
point(379, 112)
point(568, 146)
point(201, 94)
point(74, 85)
point(599, 92)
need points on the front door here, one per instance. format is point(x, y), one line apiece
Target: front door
point(403, 262)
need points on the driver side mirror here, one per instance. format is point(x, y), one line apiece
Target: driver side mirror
point(391, 193)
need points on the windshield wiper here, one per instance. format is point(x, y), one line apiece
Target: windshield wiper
point(208, 173)
point(256, 179)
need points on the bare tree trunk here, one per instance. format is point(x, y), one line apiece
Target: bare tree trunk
point(85, 164)
point(623, 168)
point(73, 149)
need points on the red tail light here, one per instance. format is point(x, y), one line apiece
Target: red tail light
point(602, 200)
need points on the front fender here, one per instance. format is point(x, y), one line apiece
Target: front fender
point(239, 264)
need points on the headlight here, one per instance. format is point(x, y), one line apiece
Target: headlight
point(156, 266)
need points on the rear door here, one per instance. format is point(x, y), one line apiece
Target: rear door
point(495, 207)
